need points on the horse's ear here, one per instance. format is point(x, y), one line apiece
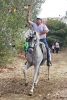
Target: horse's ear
point(34, 33)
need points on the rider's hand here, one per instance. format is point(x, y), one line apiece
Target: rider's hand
point(39, 33)
point(28, 12)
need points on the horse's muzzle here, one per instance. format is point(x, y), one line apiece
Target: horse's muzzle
point(30, 49)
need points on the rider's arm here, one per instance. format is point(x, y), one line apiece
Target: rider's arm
point(45, 30)
point(28, 19)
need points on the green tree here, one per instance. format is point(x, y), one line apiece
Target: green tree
point(58, 31)
point(12, 25)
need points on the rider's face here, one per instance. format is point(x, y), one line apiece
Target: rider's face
point(38, 21)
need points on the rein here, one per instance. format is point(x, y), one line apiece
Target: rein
point(31, 47)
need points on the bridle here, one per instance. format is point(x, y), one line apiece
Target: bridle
point(30, 39)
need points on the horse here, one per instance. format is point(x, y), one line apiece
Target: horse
point(35, 57)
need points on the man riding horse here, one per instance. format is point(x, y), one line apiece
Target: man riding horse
point(42, 30)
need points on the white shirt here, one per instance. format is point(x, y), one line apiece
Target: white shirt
point(57, 45)
point(39, 28)
point(53, 46)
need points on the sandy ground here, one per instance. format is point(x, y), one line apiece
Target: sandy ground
point(12, 85)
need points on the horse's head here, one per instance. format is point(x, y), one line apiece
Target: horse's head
point(33, 40)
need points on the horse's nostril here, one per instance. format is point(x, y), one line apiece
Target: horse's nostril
point(30, 50)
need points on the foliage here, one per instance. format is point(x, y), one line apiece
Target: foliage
point(58, 31)
point(12, 25)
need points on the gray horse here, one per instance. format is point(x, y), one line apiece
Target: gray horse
point(36, 56)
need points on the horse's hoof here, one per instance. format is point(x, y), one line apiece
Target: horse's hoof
point(48, 78)
point(30, 94)
point(26, 84)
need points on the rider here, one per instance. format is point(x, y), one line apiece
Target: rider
point(42, 29)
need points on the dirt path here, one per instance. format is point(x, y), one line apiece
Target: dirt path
point(12, 85)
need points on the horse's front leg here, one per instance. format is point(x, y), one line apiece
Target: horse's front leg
point(37, 79)
point(24, 72)
point(34, 79)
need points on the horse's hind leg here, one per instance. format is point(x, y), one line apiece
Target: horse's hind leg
point(24, 72)
point(48, 71)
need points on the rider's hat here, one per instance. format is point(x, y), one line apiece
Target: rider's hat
point(38, 19)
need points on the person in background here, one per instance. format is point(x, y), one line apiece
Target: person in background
point(42, 30)
point(57, 46)
point(53, 48)
point(26, 47)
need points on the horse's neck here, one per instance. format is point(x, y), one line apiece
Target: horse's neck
point(37, 50)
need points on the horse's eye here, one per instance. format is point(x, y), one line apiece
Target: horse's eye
point(35, 40)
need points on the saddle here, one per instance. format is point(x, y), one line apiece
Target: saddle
point(44, 51)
